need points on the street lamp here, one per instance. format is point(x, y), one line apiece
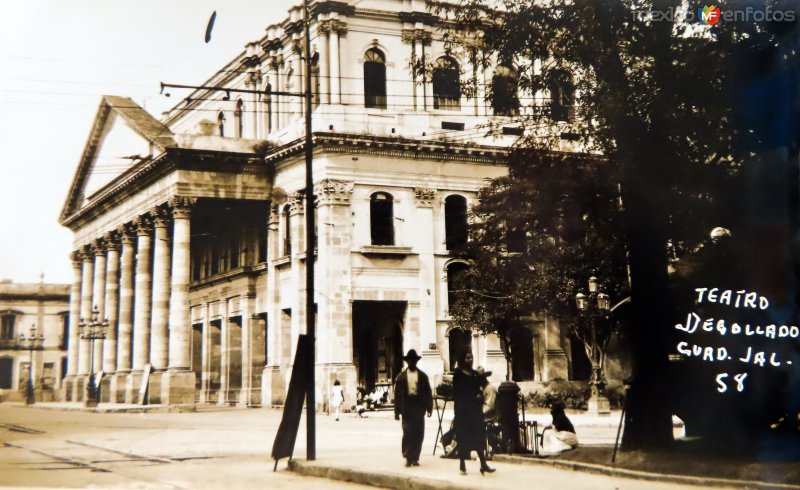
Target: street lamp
point(593, 307)
point(31, 343)
point(91, 331)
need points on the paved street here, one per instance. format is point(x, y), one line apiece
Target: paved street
point(229, 448)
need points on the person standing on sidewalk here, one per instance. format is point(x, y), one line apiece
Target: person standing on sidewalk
point(412, 399)
point(337, 397)
point(468, 408)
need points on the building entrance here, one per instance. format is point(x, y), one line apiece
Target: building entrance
point(378, 342)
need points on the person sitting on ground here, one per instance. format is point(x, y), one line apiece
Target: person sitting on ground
point(560, 436)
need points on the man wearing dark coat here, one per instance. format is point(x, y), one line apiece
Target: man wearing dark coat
point(412, 399)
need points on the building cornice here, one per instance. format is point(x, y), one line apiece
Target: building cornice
point(395, 146)
point(147, 171)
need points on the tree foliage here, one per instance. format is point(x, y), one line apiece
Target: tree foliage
point(656, 95)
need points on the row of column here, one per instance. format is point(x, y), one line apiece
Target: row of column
point(138, 279)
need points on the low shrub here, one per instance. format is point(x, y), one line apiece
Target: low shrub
point(572, 395)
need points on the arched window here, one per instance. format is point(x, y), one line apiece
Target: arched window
point(455, 283)
point(562, 96)
point(238, 117)
point(505, 101)
point(374, 79)
point(455, 221)
point(287, 230)
point(268, 103)
point(221, 123)
point(381, 218)
point(446, 84)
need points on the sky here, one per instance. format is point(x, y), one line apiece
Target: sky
point(58, 58)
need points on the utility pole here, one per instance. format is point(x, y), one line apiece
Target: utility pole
point(311, 407)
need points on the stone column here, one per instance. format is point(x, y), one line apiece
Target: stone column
point(73, 336)
point(246, 348)
point(86, 307)
point(334, 278)
point(334, 64)
point(431, 362)
point(178, 384)
point(125, 318)
point(111, 305)
point(99, 297)
point(272, 387)
point(141, 305)
point(161, 291)
point(323, 28)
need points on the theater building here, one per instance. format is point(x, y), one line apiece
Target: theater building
point(189, 229)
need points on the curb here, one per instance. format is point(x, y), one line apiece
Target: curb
point(384, 480)
point(642, 475)
point(142, 409)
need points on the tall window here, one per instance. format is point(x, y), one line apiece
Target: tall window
point(287, 230)
point(505, 101)
point(455, 282)
point(238, 117)
point(64, 341)
point(268, 103)
point(315, 80)
point(6, 372)
point(235, 251)
point(289, 105)
point(446, 84)
point(221, 123)
point(455, 221)
point(562, 96)
point(7, 330)
point(381, 218)
point(522, 354)
point(374, 79)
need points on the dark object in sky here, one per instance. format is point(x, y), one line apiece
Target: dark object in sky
point(210, 26)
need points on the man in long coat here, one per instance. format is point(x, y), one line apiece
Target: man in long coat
point(412, 399)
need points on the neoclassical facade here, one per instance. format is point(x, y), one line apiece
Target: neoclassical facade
point(193, 248)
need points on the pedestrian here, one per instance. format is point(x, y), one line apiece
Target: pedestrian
point(561, 435)
point(412, 399)
point(468, 408)
point(337, 397)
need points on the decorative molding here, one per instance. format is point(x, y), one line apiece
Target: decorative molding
point(331, 7)
point(112, 240)
point(425, 18)
point(99, 246)
point(425, 197)
point(182, 206)
point(296, 202)
point(330, 191)
point(160, 216)
point(127, 234)
point(142, 225)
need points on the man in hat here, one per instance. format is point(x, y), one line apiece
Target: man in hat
point(489, 395)
point(412, 398)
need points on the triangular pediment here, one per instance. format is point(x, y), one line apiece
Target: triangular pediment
point(122, 136)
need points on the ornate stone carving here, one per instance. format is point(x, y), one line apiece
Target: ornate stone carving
point(142, 225)
point(99, 246)
point(324, 27)
point(112, 240)
point(331, 191)
point(182, 206)
point(160, 217)
point(274, 214)
point(297, 202)
point(76, 256)
point(297, 45)
point(87, 253)
point(407, 36)
point(425, 197)
point(338, 26)
point(127, 234)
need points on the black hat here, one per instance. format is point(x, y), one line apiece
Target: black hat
point(412, 354)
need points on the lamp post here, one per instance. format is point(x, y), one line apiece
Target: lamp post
point(91, 331)
point(31, 343)
point(593, 307)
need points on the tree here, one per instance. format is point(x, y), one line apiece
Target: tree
point(534, 246)
point(654, 94)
